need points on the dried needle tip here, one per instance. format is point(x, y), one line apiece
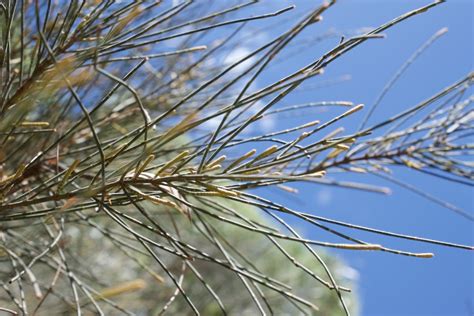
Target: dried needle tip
point(68, 173)
point(317, 174)
point(141, 168)
point(354, 109)
point(213, 168)
point(172, 162)
point(267, 152)
point(216, 162)
point(424, 255)
point(441, 31)
point(250, 153)
point(342, 147)
point(34, 124)
point(335, 153)
point(287, 188)
point(242, 158)
point(200, 47)
point(225, 192)
point(316, 122)
point(316, 19)
point(125, 287)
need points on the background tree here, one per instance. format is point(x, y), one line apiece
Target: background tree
point(129, 177)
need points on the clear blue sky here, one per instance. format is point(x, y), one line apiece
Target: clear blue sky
point(390, 284)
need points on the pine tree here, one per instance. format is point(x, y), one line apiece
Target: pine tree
point(128, 174)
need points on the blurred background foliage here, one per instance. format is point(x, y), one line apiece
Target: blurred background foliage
point(132, 149)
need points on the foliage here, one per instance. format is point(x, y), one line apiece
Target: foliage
point(126, 160)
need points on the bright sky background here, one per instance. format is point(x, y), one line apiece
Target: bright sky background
point(390, 284)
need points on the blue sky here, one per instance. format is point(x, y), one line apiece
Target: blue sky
point(390, 284)
point(387, 284)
